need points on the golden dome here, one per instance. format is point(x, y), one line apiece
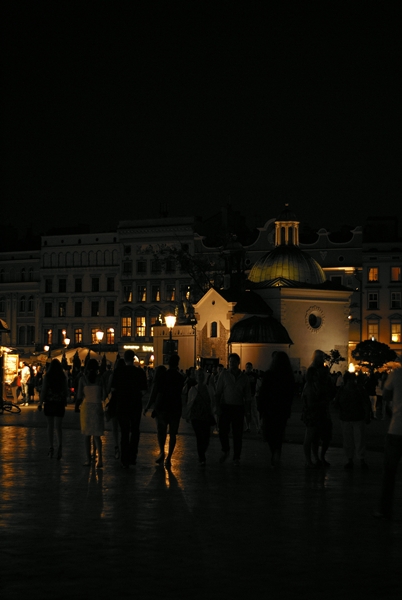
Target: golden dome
point(287, 266)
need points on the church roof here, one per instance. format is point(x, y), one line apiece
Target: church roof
point(264, 330)
point(286, 265)
point(246, 302)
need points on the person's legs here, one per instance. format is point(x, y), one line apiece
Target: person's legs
point(98, 444)
point(326, 437)
point(135, 420)
point(224, 428)
point(197, 426)
point(359, 429)
point(87, 448)
point(310, 445)
point(174, 421)
point(124, 422)
point(161, 424)
point(59, 436)
point(115, 430)
point(348, 440)
point(50, 429)
point(392, 456)
point(237, 428)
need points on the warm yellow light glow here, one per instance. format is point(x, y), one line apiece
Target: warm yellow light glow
point(67, 341)
point(46, 348)
point(170, 321)
point(99, 335)
point(352, 368)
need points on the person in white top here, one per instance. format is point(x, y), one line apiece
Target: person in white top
point(392, 392)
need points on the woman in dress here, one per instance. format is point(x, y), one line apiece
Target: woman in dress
point(54, 395)
point(91, 394)
point(274, 402)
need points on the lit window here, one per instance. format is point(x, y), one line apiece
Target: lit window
point(140, 326)
point(156, 293)
point(141, 293)
point(372, 330)
point(395, 299)
point(110, 336)
point(78, 336)
point(152, 323)
point(373, 274)
point(373, 300)
point(94, 339)
point(170, 292)
point(396, 333)
point(48, 337)
point(126, 326)
point(127, 293)
point(395, 273)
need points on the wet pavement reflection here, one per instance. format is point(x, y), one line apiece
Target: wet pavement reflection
point(188, 532)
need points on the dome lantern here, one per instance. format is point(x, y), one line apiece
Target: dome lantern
point(286, 228)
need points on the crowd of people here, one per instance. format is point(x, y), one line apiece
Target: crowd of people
point(229, 402)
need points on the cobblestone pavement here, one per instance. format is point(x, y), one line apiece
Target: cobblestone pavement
point(219, 532)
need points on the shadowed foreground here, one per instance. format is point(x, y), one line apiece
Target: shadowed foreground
point(225, 531)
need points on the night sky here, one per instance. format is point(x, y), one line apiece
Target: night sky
point(119, 110)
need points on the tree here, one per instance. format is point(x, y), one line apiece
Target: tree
point(333, 358)
point(373, 354)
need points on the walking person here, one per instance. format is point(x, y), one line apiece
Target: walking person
point(392, 392)
point(128, 384)
point(200, 414)
point(161, 369)
point(275, 401)
point(354, 413)
point(168, 407)
point(232, 391)
point(54, 396)
point(90, 396)
point(316, 397)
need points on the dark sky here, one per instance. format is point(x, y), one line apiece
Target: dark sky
point(113, 111)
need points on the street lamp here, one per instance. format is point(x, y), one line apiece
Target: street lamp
point(99, 336)
point(170, 321)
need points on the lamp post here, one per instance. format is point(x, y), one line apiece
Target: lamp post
point(99, 336)
point(170, 321)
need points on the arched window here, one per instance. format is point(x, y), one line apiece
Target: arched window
point(214, 329)
point(22, 274)
point(30, 274)
point(30, 304)
point(22, 304)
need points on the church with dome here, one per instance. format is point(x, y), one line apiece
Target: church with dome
point(287, 305)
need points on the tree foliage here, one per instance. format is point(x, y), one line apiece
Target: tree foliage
point(333, 358)
point(373, 354)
